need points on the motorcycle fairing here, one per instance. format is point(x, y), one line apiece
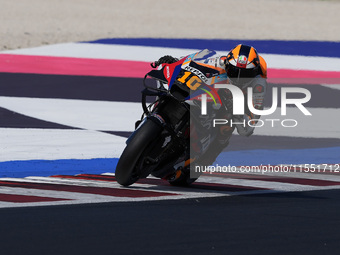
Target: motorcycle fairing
point(198, 64)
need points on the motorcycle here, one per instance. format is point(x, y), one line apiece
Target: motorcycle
point(172, 134)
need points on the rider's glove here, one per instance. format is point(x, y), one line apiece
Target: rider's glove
point(165, 59)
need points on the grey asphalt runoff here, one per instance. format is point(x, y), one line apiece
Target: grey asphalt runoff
point(277, 223)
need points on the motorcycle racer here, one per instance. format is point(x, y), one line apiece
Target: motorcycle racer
point(244, 68)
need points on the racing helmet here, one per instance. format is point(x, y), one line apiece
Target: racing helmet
point(242, 64)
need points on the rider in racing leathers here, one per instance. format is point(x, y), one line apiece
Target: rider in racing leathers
point(245, 68)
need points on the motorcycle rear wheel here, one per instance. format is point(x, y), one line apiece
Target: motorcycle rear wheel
point(126, 172)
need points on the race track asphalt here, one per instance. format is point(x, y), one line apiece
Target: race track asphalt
point(278, 223)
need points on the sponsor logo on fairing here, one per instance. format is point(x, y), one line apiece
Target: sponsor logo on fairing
point(196, 72)
point(167, 70)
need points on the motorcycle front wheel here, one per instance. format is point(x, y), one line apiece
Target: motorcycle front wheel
point(126, 171)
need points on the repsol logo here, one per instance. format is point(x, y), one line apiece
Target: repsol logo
point(196, 72)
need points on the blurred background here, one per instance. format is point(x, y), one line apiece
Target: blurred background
point(39, 22)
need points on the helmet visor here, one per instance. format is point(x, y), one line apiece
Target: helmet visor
point(236, 72)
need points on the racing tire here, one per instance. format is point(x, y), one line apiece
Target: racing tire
point(126, 173)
